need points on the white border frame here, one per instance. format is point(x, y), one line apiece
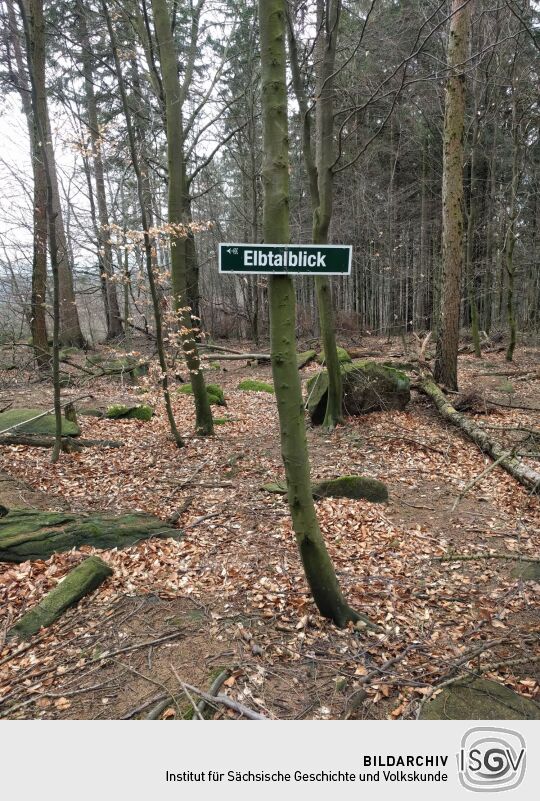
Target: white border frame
point(282, 245)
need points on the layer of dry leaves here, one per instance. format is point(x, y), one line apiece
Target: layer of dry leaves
point(238, 563)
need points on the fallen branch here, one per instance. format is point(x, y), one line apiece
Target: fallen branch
point(517, 469)
point(228, 702)
point(214, 689)
point(474, 556)
point(216, 357)
point(478, 478)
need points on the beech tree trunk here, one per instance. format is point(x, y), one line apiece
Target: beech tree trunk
point(38, 324)
point(318, 566)
point(320, 177)
point(452, 196)
point(182, 245)
point(105, 256)
point(148, 255)
point(34, 34)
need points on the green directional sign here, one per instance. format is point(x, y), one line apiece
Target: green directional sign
point(243, 258)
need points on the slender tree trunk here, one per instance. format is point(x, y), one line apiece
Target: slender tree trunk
point(34, 33)
point(316, 560)
point(182, 250)
point(470, 270)
point(38, 322)
point(105, 257)
point(70, 333)
point(320, 177)
point(511, 231)
point(452, 197)
point(146, 233)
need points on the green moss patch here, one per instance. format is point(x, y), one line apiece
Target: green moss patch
point(250, 385)
point(120, 412)
point(45, 426)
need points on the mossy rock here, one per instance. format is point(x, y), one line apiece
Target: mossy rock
point(479, 699)
point(45, 426)
point(529, 571)
point(305, 357)
point(34, 534)
point(343, 356)
point(367, 387)
point(127, 365)
point(121, 412)
point(89, 412)
point(343, 487)
point(214, 392)
point(65, 353)
point(351, 487)
point(250, 385)
point(80, 581)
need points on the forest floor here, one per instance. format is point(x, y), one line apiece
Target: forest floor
point(231, 592)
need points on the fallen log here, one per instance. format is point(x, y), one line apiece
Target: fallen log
point(80, 581)
point(515, 467)
point(217, 357)
point(33, 534)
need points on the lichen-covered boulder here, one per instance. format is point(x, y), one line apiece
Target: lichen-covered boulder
point(44, 426)
point(367, 387)
point(474, 698)
point(121, 412)
point(343, 487)
point(343, 356)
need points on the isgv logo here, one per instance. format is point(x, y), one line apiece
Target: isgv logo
point(491, 759)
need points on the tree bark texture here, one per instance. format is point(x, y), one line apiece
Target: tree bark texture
point(452, 196)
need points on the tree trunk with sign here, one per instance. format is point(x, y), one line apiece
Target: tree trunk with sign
point(318, 566)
